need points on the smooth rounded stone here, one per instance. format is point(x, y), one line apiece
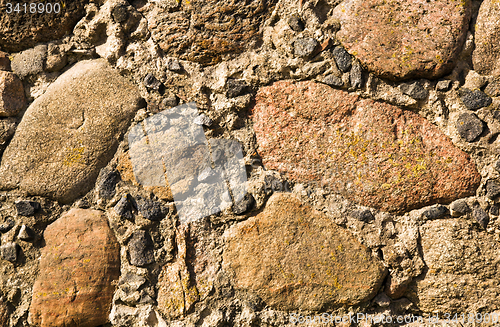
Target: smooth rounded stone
point(459, 208)
point(462, 274)
point(474, 100)
point(22, 30)
point(235, 87)
point(65, 137)
point(295, 23)
point(151, 210)
point(404, 39)
point(244, 204)
point(4, 61)
point(481, 216)
point(30, 62)
point(356, 75)
point(207, 32)
point(468, 126)
point(485, 57)
point(342, 58)
point(27, 208)
point(435, 212)
point(415, 90)
point(140, 249)
point(304, 47)
point(106, 184)
point(295, 258)
point(12, 98)
point(373, 153)
point(362, 215)
point(26, 233)
point(78, 266)
point(9, 251)
point(443, 86)
point(333, 80)
point(7, 225)
point(492, 189)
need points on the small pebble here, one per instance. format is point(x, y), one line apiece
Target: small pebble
point(305, 47)
point(107, 184)
point(7, 225)
point(356, 75)
point(9, 252)
point(362, 215)
point(4, 61)
point(27, 208)
point(468, 126)
point(244, 204)
point(474, 100)
point(296, 23)
point(150, 210)
point(497, 166)
point(203, 120)
point(493, 88)
point(140, 248)
point(481, 216)
point(492, 189)
point(25, 233)
point(120, 14)
point(235, 87)
point(152, 82)
point(124, 207)
point(382, 300)
point(169, 102)
point(494, 210)
point(174, 65)
point(435, 212)
point(333, 80)
point(414, 90)
point(342, 58)
point(443, 85)
point(459, 208)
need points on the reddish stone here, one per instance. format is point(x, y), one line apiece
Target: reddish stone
point(295, 257)
point(12, 99)
point(373, 153)
point(78, 264)
point(487, 39)
point(404, 39)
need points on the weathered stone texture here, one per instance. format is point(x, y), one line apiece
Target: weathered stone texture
point(21, 30)
point(486, 57)
point(373, 153)
point(404, 39)
point(12, 99)
point(70, 132)
point(207, 31)
point(463, 269)
point(294, 257)
point(80, 260)
point(4, 311)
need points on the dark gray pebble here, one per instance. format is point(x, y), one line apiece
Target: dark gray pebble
point(7, 225)
point(124, 207)
point(140, 249)
point(107, 183)
point(342, 58)
point(333, 80)
point(435, 212)
point(481, 216)
point(152, 82)
point(120, 14)
point(494, 210)
point(9, 252)
point(492, 189)
point(235, 87)
point(414, 90)
point(244, 204)
point(459, 207)
point(296, 23)
point(362, 215)
point(468, 126)
point(305, 47)
point(151, 210)
point(27, 208)
point(474, 100)
point(497, 166)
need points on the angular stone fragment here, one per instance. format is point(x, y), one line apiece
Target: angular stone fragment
point(207, 31)
point(27, 208)
point(9, 251)
point(463, 270)
point(12, 99)
point(70, 132)
point(404, 39)
point(141, 249)
point(373, 153)
point(481, 216)
point(294, 258)
point(468, 126)
point(22, 29)
point(78, 264)
point(29, 62)
point(474, 100)
point(485, 57)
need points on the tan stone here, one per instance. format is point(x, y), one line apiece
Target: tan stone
point(70, 132)
point(79, 262)
point(4, 314)
point(485, 58)
point(12, 99)
point(294, 258)
point(373, 153)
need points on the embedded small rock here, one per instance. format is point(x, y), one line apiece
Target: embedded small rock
point(150, 81)
point(459, 208)
point(296, 23)
point(342, 58)
point(356, 75)
point(107, 184)
point(30, 62)
point(415, 90)
point(468, 126)
point(494, 210)
point(485, 57)
point(443, 85)
point(4, 61)
point(27, 208)
point(124, 207)
point(203, 120)
point(7, 225)
point(474, 100)
point(333, 80)
point(9, 252)
point(481, 216)
point(435, 212)
point(493, 88)
point(140, 248)
point(26, 233)
point(244, 204)
point(151, 210)
point(12, 98)
point(174, 65)
point(362, 215)
point(492, 189)
point(235, 87)
point(305, 47)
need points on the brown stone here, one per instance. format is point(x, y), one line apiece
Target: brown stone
point(486, 57)
point(294, 257)
point(78, 264)
point(4, 314)
point(463, 272)
point(4, 61)
point(21, 29)
point(70, 132)
point(404, 39)
point(207, 31)
point(12, 99)
point(373, 153)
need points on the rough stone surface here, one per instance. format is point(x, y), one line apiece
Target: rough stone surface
point(31, 61)
point(244, 204)
point(435, 212)
point(294, 257)
point(27, 208)
point(415, 90)
point(493, 88)
point(66, 136)
point(468, 126)
point(205, 31)
point(141, 249)
point(4, 61)
point(151, 210)
point(12, 99)
point(486, 53)
point(305, 47)
point(481, 216)
point(333, 80)
point(362, 215)
point(443, 85)
point(124, 207)
point(459, 208)
point(474, 100)
point(463, 269)
point(107, 184)
point(356, 75)
point(78, 264)
point(374, 153)
point(9, 251)
point(7, 225)
point(404, 39)
point(4, 313)
point(22, 30)
point(492, 189)
point(7, 129)
point(342, 58)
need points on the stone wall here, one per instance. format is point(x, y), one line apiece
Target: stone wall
point(366, 138)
